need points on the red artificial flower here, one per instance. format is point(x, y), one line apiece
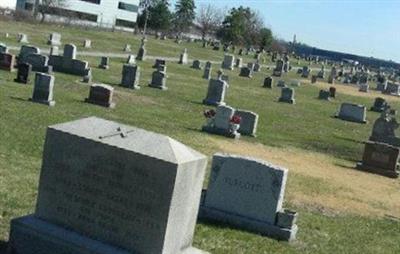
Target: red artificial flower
point(209, 113)
point(236, 119)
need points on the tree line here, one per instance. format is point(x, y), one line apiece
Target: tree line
point(240, 26)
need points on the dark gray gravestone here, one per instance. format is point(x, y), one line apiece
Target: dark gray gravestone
point(248, 123)
point(130, 76)
point(24, 71)
point(287, 95)
point(268, 82)
point(159, 79)
point(43, 89)
point(245, 72)
point(352, 112)
point(216, 92)
point(104, 63)
point(102, 95)
point(324, 95)
point(380, 105)
point(109, 188)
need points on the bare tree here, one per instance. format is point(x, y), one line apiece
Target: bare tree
point(209, 19)
point(48, 7)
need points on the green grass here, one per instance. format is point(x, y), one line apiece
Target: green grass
point(177, 112)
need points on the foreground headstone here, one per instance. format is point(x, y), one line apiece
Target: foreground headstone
point(43, 89)
point(287, 95)
point(24, 71)
point(216, 92)
point(109, 188)
point(384, 129)
point(102, 95)
point(352, 112)
point(54, 39)
point(380, 158)
point(130, 76)
point(222, 123)
point(248, 193)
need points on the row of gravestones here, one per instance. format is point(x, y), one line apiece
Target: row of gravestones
point(106, 187)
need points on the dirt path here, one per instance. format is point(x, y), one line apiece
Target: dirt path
point(320, 182)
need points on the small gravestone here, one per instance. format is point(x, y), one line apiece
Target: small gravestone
point(364, 88)
point(159, 62)
point(332, 92)
point(248, 123)
point(141, 55)
point(43, 89)
point(183, 59)
point(24, 71)
point(380, 158)
point(246, 72)
point(381, 86)
point(352, 112)
point(104, 63)
point(277, 72)
point(332, 75)
point(127, 48)
point(222, 123)
point(295, 83)
point(248, 193)
point(39, 62)
point(87, 77)
point(54, 51)
point(131, 59)
point(392, 89)
point(207, 71)
point(54, 39)
point(305, 72)
point(196, 65)
point(69, 51)
point(324, 95)
point(130, 76)
point(287, 95)
point(251, 66)
point(87, 43)
point(7, 61)
point(159, 79)
point(257, 67)
point(239, 63)
point(22, 38)
point(216, 92)
point(314, 79)
point(380, 105)
point(268, 82)
point(102, 95)
point(3, 48)
point(281, 83)
point(228, 63)
point(107, 187)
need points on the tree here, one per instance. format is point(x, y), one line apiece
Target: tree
point(184, 15)
point(209, 19)
point(48, 7)
point(160, 16)
point(265, 38)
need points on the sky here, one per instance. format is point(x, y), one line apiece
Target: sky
point(365, 27)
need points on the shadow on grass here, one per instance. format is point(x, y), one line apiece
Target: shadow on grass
point(3, 247)
point(18, 99)
point(351, 140)
point(199, 103)
point(194, 129)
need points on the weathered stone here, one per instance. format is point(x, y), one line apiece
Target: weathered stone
point(248, 123)
point(22, 38)
point(43, 89)
point(102, 95)
point(268, 82)
point(54, 39)
point(222, 124)
point(131, 59)
point(159, 79)
point(364, 88)
point(159, 62)
point(332, 92)
point(278, 68)
point(246, 72)
point(87, 43)
point(352, 112)
point(228, 63)
point(127, 48)
point(281, 83)
point(314, 79)
point(3, 48)
point(183, 59)
point(142, 53)
point(130, 76)
point(287, 95)
point(239, 63)
point(104, 63)
point(216, 92)
point(248, 193)
point(54, 51)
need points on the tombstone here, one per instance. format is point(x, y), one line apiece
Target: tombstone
point(352, 112)
point(364, 88)
point(54, 39)
point(25, 51)
point(183, 59)
point(381, 86)
point(278, 69)
point(222, 123)
point(216, 92)
point(141, 56)
point(127, 48)
point(159, 80)
point(104, 63)
point(54, 51)
point(299, 70)
point(196, 65)
point(314, 79)
point(384, 129)
point(257, 67)
point(131, 59)
point(392, 89)
point(159, 62)
point(305, 72)
point(380, 158)
point(229, 61)
point(130, 76)
point(287, 95)
point(7, 61)
point(240, 53)
point(295, 83)
point(106, 187)
point(380, 105)
point(225, 78)
point(246, 72)
point(87, 78)
point(207, 71)
point(22, 38)
point(248, 193)
point(324, 95)
point(24, 70)
point(268, 82)
point(239, 63)
point(3, 48)
point(43, 89)
point(248, 123)
point(281, 83)
point(251, 66)
point(69, 51)
point(102, 95)
point(39, 62)
point(332, 75)
point(87, 43)
point(332, 92)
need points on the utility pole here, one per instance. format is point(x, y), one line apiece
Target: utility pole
point(146, 7)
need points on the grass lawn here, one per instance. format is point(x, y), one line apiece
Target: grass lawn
point(308, 127)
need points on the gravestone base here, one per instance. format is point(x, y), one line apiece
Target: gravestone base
point(220, 131)
point(48, 103)
point(158, 87)
point(213, 103)
point(256, 226)
point(292, 101)
point(107, 105)
point(379, 171)
point(30, 235)
point(351, 119)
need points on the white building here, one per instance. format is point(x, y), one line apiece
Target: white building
point(105, 13)
point(10, 4)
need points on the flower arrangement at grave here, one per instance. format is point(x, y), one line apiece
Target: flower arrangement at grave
point(210, 116)
point(235, 124)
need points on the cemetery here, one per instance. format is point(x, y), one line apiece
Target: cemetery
point(235, 151)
